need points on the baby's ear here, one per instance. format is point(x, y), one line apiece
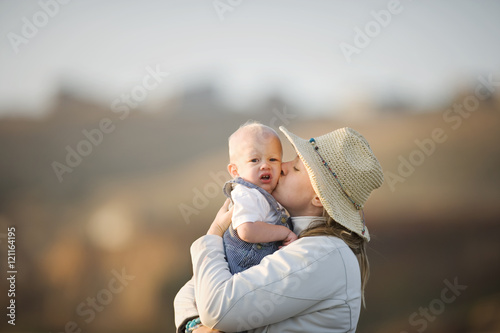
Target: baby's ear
point(233, 170)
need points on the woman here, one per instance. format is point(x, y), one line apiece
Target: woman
point(315, 284)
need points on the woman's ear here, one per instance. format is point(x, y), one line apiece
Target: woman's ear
point(233, 170)
point(316, 202)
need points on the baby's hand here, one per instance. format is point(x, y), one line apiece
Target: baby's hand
point(289, 238)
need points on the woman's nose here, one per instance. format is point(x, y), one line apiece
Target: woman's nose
point(284, 168)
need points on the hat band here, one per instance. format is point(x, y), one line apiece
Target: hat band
point(312, 141)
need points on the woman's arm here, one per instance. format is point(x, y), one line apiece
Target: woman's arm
point(288, 283)
point(185, 306)
point(185, 309)
point(185, 302)
point(308, 276)
point(285, 284)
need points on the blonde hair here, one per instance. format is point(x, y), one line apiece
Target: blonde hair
point(355, 242)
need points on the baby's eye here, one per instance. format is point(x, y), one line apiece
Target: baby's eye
point(274, 160)
point(254, 160)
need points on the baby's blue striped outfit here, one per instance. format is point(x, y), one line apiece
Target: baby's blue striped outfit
point(241, 255)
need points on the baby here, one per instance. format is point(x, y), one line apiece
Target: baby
point(259, 222)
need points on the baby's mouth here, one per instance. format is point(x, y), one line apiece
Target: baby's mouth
point(265, 177)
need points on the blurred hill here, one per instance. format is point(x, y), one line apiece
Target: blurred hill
point(137, 199)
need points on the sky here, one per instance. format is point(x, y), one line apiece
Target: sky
point(318, 54)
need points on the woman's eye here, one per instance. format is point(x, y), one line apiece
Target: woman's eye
point(294, 168)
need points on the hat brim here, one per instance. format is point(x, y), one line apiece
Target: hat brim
point(326, 187)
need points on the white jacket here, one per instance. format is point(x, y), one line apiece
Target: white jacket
point(311, 285)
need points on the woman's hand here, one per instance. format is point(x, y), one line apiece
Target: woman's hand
point(222, 220)
point(204, 329)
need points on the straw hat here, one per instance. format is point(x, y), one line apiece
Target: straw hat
point(343, 172)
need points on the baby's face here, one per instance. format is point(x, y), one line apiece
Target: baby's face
point(259, 161)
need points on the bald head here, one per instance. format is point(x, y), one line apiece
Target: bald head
point(246, 134)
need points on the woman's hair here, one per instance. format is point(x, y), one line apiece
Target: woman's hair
point(355, 242)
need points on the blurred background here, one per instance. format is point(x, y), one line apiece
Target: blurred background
point(114, 118)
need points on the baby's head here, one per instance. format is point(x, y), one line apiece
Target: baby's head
point(255, 155)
